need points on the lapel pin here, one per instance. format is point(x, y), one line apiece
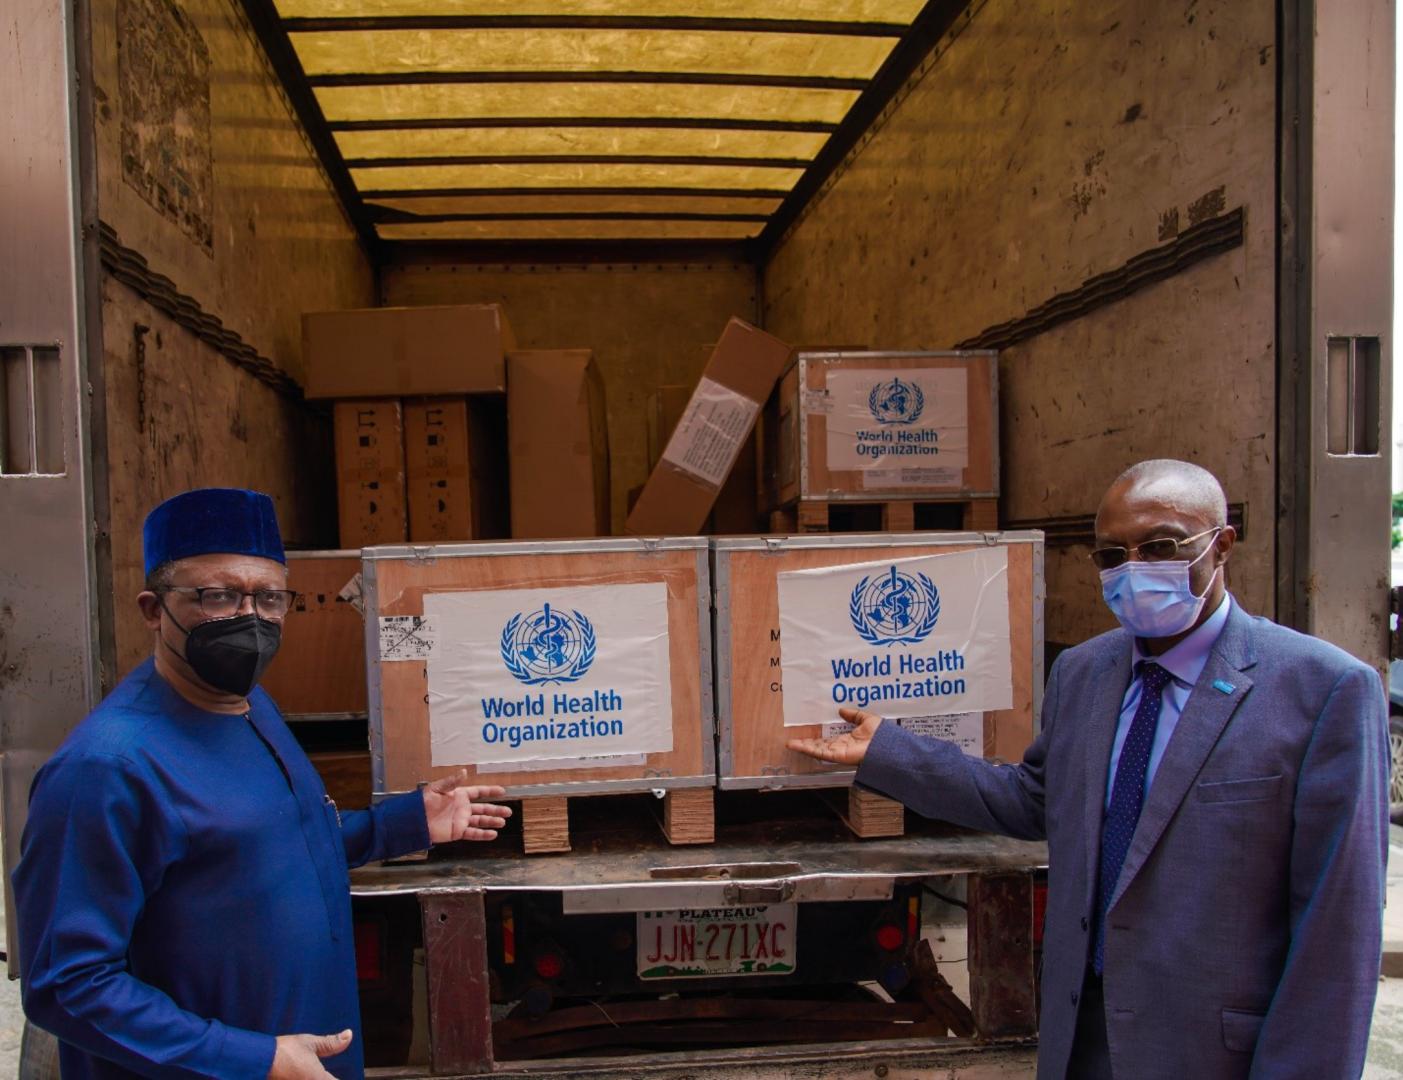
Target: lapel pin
point(1223, 687)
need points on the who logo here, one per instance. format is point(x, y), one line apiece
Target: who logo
point(894, 609)
point(896, 402)
point(548, 646)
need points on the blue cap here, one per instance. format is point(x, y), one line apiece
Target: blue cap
point(212, 521)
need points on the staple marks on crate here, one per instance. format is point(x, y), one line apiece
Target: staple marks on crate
point(897, 515)
point(688, 817)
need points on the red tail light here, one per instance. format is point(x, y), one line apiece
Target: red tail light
point(890, 938)
point(549, 965)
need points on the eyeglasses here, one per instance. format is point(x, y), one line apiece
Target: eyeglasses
point(218, 602)
point(1160, 549)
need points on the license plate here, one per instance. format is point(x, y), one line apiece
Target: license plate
point(717, 941)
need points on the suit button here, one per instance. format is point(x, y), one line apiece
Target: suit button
point(1083, 922)
point(1074, 997)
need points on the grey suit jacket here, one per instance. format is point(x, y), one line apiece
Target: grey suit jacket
point(1244, 936)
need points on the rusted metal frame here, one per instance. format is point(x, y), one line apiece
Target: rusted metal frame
point(263, 17)
point(1002, 987)
point(682, 78)
point(576, 159)
point(447, 21)
point(1294, 180)
point(468, 192)
point(455, 957)
point(1202, 241)
point(925, 33)
point(698, 123)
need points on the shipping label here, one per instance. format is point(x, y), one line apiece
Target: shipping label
point(917, 637)
point(709, 435)
point(911, 426)
point(546, 674)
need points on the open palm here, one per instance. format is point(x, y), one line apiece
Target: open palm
point(847, 749)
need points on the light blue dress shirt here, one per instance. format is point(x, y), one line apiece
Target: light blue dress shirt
point(1185, 662)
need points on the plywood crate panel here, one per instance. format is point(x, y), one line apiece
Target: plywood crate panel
point(399, 579)
point(883, 425)
point(320, 666)
point(750, 674)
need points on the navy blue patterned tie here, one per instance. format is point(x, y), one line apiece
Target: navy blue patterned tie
point(1127, 795)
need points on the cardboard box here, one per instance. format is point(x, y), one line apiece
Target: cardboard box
point(559, 442)
point(720, 416)
point(404, 352)
point(369, 437)
point(320, 666)
point(881, 426)
point(759, 660)
point(737, 508)
point(455, 468)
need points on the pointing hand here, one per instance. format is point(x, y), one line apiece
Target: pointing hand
point(848, 749)
point(454, 812)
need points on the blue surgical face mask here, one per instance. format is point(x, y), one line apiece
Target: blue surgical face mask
point(1154, 599)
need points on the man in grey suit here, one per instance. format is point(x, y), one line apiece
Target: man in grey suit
point(1214, 793)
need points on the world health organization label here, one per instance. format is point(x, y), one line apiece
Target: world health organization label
point(925, 636)
point(548, 674)
point(903, 426)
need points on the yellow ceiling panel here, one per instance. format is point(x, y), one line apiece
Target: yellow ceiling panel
point(572, 230)
point(605, 100)
point(406, 177)
point(580, 204)
point(892, 11)
point(500, 141)
point(400, 51)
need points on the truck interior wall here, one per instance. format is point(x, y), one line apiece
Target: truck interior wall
point(1040, 145)
point(219, 229)
point(645, 322)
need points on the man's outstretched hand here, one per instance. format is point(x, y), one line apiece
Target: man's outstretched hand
point(847, 749)
point(298, 1057)
point(455, 812)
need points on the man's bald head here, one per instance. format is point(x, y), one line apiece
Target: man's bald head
point(1179, 484)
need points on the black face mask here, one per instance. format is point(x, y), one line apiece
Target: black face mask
point(231, 654)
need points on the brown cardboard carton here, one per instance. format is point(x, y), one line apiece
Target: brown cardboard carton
point(369, 438)
point(719, 418)
point(737, 504)
point(403, 352)
point(559, 444)
point(455, 468)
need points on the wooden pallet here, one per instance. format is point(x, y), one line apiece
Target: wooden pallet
point(868, 815)
point(688, 817)
point(899, 515)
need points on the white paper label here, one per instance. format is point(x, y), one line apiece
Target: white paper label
point(899, 422)
point(603, 761)
point(353, 592)
point(918, 476)
point(817, 401)
point(965, 730)
point(709, 435)
point(545, 674)
point(408, 637)
point(925, 636)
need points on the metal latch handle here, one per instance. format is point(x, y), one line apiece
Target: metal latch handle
point(765, 892)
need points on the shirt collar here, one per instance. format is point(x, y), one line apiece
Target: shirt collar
point(1186, 660)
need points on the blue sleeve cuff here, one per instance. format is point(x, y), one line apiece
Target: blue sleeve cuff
point(892, 756)
point(404, 824)
point(245, 1053)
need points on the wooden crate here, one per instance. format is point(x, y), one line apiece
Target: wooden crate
point(892, 515)
point(320, 666)
point(750, 675)
point(400, 584)
point(904, 425)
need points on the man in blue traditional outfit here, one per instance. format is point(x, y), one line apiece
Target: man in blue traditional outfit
point(182, 893)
